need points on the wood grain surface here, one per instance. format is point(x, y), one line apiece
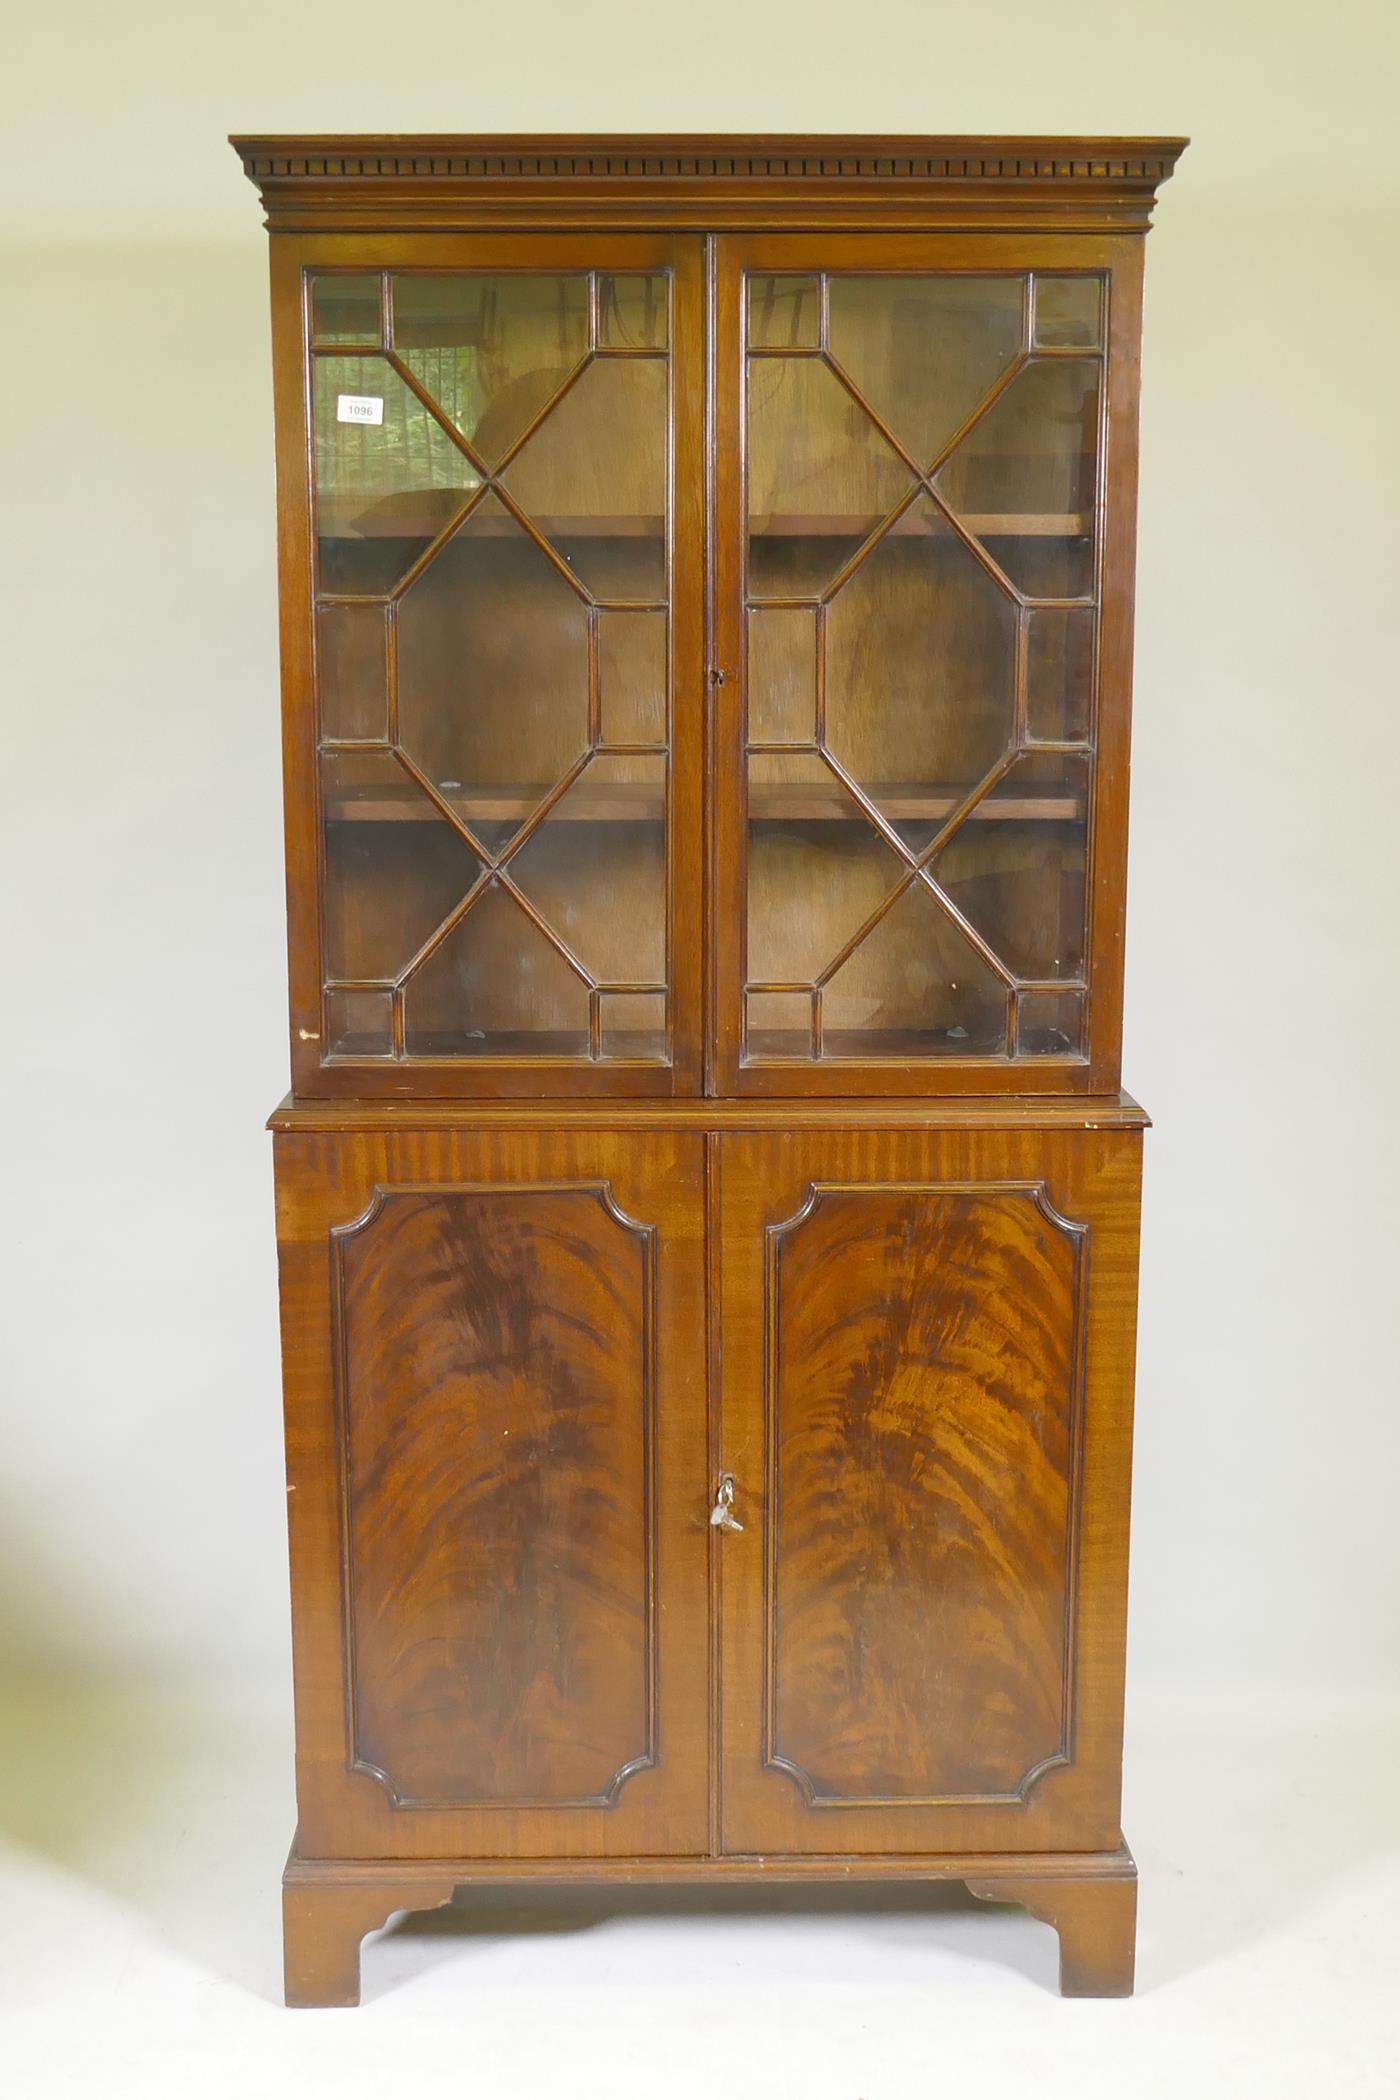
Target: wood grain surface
point(495, 1396)
point(559, 1251)
point(923, 1398)
point(927, 1344)
point(498, 1407)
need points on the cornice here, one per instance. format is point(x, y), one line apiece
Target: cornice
point(435, 182)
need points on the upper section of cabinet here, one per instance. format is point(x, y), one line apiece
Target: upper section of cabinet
point(706, 659)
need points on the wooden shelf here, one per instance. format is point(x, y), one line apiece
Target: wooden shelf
point(914, 525)
point(609, 803)
point(765, 1044)
point(421, 514)
point(636, 1046)
point(641, 803)
point(901, 803)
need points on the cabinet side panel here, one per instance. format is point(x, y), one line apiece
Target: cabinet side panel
point(923, 1389)
point(496, 1404)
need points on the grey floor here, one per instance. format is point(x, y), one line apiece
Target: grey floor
point(143, 1833)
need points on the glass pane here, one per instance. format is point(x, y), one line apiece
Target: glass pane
point(817, 869)
point(782, 692)
point(1060, 674)
point(1050, 1023)
point(595, 870)
point(492, 351)
point(924, 351)
point(820, 477)
point(784, 313)
point(920, 673)
point(592, 479)
point(632, 677)
point(345, 309)
point(633, 1024)
point(492, 665)
point(359, 1024)
point(1067, 312)
point(914, 987)
point(496, 987)
point(779, 1024)
point(494, 739)
point(1023, 478)
point(632, 313)
point(394, 868)
point(351, 672)
point(1016, 866)
point(917, 875)
point(388, 476)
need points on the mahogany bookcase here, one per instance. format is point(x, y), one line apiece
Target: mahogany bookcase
point(707, 1210)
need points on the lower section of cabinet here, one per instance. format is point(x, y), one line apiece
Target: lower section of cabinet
point(328, 1905)
point(682, 1503)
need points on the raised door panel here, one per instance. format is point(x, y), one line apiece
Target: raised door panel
point(498, 1410)
point(924, 477)
point(515, 1471)
point(927, 1380)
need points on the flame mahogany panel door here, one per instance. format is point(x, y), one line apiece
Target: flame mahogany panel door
point(496, 1434)
point(927, 1399)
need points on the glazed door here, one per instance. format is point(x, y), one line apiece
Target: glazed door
point(927, 1350)
point(493, 663)
point(925, 468)
point(496, 1449)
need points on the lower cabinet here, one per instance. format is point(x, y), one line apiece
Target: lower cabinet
point(537, 1630)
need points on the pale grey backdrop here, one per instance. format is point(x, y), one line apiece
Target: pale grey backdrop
point(140, 1492)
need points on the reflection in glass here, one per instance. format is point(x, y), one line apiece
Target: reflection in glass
point(784, 312)
point(593, 477)
point(491, 351)
point(1033, 451)
point(384, 489)
point(1067, 311)
point(820, 477)
point(924, 351)
point(345, 309)
point(632, 313)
